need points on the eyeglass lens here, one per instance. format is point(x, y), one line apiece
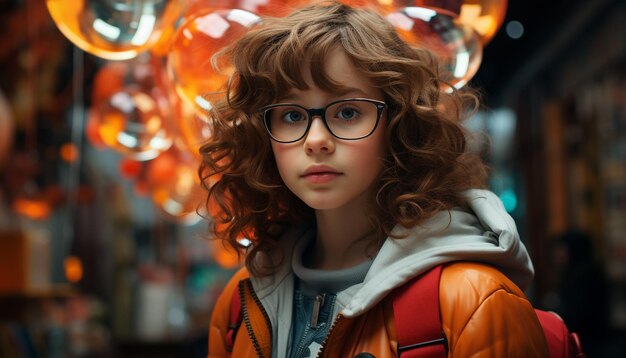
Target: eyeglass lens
point(347, 119)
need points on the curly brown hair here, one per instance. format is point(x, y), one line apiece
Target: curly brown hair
point(427, 166)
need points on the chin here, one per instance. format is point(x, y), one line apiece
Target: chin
point(318, 204)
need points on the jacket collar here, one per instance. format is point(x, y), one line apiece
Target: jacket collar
point(485, 233)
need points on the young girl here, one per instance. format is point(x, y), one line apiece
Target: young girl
point(342, 160)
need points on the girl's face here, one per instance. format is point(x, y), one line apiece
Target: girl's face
point(324, 171)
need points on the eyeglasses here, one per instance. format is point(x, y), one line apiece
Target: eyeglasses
point(349, 119)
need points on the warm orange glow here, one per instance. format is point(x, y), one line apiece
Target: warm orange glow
point(69, 152)
point(73, 269)
point(485, 25)
point(108, 80)
point(162, 47)
point(160, 195)
point(226, 258)
point(193, 128)
point(131, 122)
point(483, 16)
point(92, 132)
point(111, 125)
point(196, 40)
point(175, 185)
point(112, 34)
point(145, 103)
point(161, 170)
point(35, 209)
point(385, 3)
point(142, 188)
point(130, 168)
point(456, 45)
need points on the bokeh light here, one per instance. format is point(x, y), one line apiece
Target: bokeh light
point(196, 41)
point(161, 169)
point(92, 130)
point(225, 256)
point(33, 208)
point(509, 200)
point(114, 29)
point(69, 152)
point(515, 29)
point(456, 45)
point(73, 269)
point(484, 16)
point(109, 79)
point(144, 72)
point(195, 6)
point(130, 169)
point(132, 123)
point(176, 190)
point(141, 188)
point(192, 128)
point(277, 8)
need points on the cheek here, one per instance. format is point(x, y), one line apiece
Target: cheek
point(377, 147)
point(369, 155)
point(282, 158)
point(381, 150)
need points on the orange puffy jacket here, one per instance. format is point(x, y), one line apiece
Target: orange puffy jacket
point(483, 314)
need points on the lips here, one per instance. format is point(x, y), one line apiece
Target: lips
point(318, 174)
point(320, 169)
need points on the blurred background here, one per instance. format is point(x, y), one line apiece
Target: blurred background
point(104, 248)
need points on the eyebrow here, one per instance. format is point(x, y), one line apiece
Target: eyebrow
point(290, 96)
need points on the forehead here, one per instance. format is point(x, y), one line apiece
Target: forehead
point(335, 76)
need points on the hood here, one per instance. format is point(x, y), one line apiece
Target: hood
point(485, 234)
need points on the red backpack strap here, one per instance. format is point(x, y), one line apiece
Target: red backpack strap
point(417, 319)
point(234, 321)
point(561, 343)
point(575, 346)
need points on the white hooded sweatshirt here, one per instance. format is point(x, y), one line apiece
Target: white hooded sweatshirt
point(485, 234)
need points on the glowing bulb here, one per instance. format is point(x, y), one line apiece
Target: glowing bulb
point(73, 269)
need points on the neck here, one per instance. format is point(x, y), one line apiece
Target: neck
point(344, 238)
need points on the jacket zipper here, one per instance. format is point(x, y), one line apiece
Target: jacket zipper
point(246, 318)
point(317, 306)
point(330, 331)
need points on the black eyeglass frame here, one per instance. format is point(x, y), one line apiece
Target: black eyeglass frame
point(321, 112)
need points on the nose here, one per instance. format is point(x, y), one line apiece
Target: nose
point(319, 139)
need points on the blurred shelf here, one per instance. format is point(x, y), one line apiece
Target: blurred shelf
point(191, 345)
point(53, 291)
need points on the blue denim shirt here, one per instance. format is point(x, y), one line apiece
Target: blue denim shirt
point(307, 333)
